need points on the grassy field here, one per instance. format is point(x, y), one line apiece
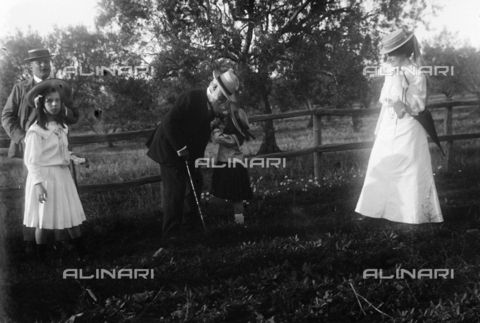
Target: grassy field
point(300, 257)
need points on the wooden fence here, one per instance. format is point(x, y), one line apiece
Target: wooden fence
point(317, 149)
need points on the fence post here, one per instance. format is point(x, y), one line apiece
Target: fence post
point(317, 141)
point(447, 130)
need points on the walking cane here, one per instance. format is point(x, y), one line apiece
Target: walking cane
point(195, 194)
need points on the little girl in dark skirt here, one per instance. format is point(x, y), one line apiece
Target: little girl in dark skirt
point(231, 182)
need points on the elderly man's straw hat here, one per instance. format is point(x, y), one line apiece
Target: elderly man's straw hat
point(36, 54)
point(228, 83)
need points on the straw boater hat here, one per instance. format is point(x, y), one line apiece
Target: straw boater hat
point(61, 86)
point(36, 54)
point(395, 40)
point(228, 83)
point(240, 120)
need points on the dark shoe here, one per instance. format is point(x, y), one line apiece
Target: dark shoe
point(79, 247)
point(64, 245)
point(42, 253)
point(68, 244)
point(189, 227)
point(162, 251)
point(359, 218)
point(30, 248)
point(191, 221)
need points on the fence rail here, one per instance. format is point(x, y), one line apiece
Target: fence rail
point(317, 150)
point(90, 139)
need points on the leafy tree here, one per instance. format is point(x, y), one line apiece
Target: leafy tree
point(125, 104)
point(260, 39)
point(327, 71)
point(109, 102)
point(443, 51)
point(13, 67)
point(468, 59)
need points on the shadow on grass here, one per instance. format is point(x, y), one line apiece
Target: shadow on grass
point(294, 260)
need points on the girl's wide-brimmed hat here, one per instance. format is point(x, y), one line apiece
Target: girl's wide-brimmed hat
point(395, 40)
point(61, 86)
point(228, 83)
point(240, 120)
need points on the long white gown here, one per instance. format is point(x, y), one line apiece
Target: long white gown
point(399, 184)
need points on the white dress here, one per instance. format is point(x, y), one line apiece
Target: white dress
point(47, 159)
point(399, 184)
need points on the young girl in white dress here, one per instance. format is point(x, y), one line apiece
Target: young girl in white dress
point(399, 184)
point(51, 198)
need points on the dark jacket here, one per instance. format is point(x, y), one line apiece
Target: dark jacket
point(18, 116)
point(186, 124)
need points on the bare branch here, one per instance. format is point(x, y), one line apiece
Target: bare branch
point(230, 55)
point(247, 20)
point(209, 17)
point(276, 8)
point(249, 34)
point(326, 15)
point(294, 16)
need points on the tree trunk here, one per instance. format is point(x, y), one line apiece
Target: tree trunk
point(269, 144)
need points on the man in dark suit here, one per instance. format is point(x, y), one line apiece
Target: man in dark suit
point(183, 135)
point(18, 116)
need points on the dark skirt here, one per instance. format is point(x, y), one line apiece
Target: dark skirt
point(231, 183)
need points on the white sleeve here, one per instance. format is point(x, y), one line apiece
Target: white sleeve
point(383, 93)
point(416, 94)
point(383, 97)
point(380, 118)
point(223, 139)
point(33, 152)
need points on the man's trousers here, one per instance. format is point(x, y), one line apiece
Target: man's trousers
point(178, 197)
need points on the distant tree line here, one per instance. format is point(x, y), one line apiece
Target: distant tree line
point(289, 54)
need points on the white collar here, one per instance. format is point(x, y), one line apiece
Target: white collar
point(51, 127)
point(38, 80)
point(209, 94)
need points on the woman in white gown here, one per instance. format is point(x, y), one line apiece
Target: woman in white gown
point(399, 184)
